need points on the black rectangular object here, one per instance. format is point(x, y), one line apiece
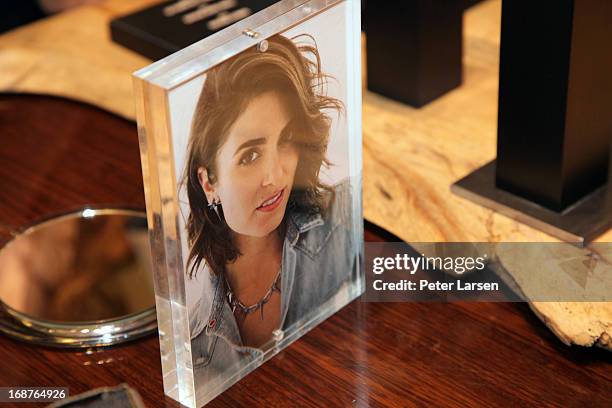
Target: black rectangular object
point(414, 48)
point(150, 33)
point(555, 99)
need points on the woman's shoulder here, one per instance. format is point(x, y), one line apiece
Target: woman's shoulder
point(202, 286)
point(325, 255)
point(339, 203)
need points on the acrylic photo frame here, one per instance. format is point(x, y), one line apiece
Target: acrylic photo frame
point(235, 132)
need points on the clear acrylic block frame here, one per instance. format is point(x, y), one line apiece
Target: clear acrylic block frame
point(160, 90)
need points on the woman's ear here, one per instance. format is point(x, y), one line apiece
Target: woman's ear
point(207, 186)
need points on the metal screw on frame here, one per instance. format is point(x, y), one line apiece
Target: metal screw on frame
point(250, 33)
point(263, 45)
point(278, 335)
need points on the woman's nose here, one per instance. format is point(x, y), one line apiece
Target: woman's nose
point(274, 169)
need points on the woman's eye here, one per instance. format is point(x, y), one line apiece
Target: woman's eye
point(249, 157)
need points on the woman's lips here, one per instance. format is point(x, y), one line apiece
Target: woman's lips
point(273, 202)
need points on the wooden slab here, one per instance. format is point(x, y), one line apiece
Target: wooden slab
point(71, 55)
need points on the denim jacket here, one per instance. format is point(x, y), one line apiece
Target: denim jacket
point(318, 262)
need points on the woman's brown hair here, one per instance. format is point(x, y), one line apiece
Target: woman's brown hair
point(285, 67)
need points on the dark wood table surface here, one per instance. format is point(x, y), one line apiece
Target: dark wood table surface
point(57, 155)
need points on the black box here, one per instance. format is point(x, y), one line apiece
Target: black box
point(414, 48)
point(151, 33)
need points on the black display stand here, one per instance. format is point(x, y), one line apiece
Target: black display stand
point(414, 48)
point(555, 118)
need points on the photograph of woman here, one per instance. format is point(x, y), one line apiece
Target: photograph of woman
point(274, 241)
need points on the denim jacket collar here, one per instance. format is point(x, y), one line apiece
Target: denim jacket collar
point(299, 222)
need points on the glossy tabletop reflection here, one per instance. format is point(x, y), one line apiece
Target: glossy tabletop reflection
point(368, 354)
point(73, 272)
point(60, 155)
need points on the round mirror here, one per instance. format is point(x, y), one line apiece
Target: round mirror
point(79, 280)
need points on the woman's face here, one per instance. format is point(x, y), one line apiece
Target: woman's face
point(256, 168)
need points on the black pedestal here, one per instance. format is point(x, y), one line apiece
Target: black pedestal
point(414, 48)
point(578, 224)
point(555, 118)
point(555, 99)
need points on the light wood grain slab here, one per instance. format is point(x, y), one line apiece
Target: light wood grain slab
point(71, 55)
point(412, 156)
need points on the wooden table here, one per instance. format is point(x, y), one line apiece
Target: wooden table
point(368, 354)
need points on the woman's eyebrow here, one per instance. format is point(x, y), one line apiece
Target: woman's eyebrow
point(250, 143)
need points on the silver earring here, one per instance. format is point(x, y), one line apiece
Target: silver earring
point(214, 205)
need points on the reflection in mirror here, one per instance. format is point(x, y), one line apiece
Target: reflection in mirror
point(79, 269)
